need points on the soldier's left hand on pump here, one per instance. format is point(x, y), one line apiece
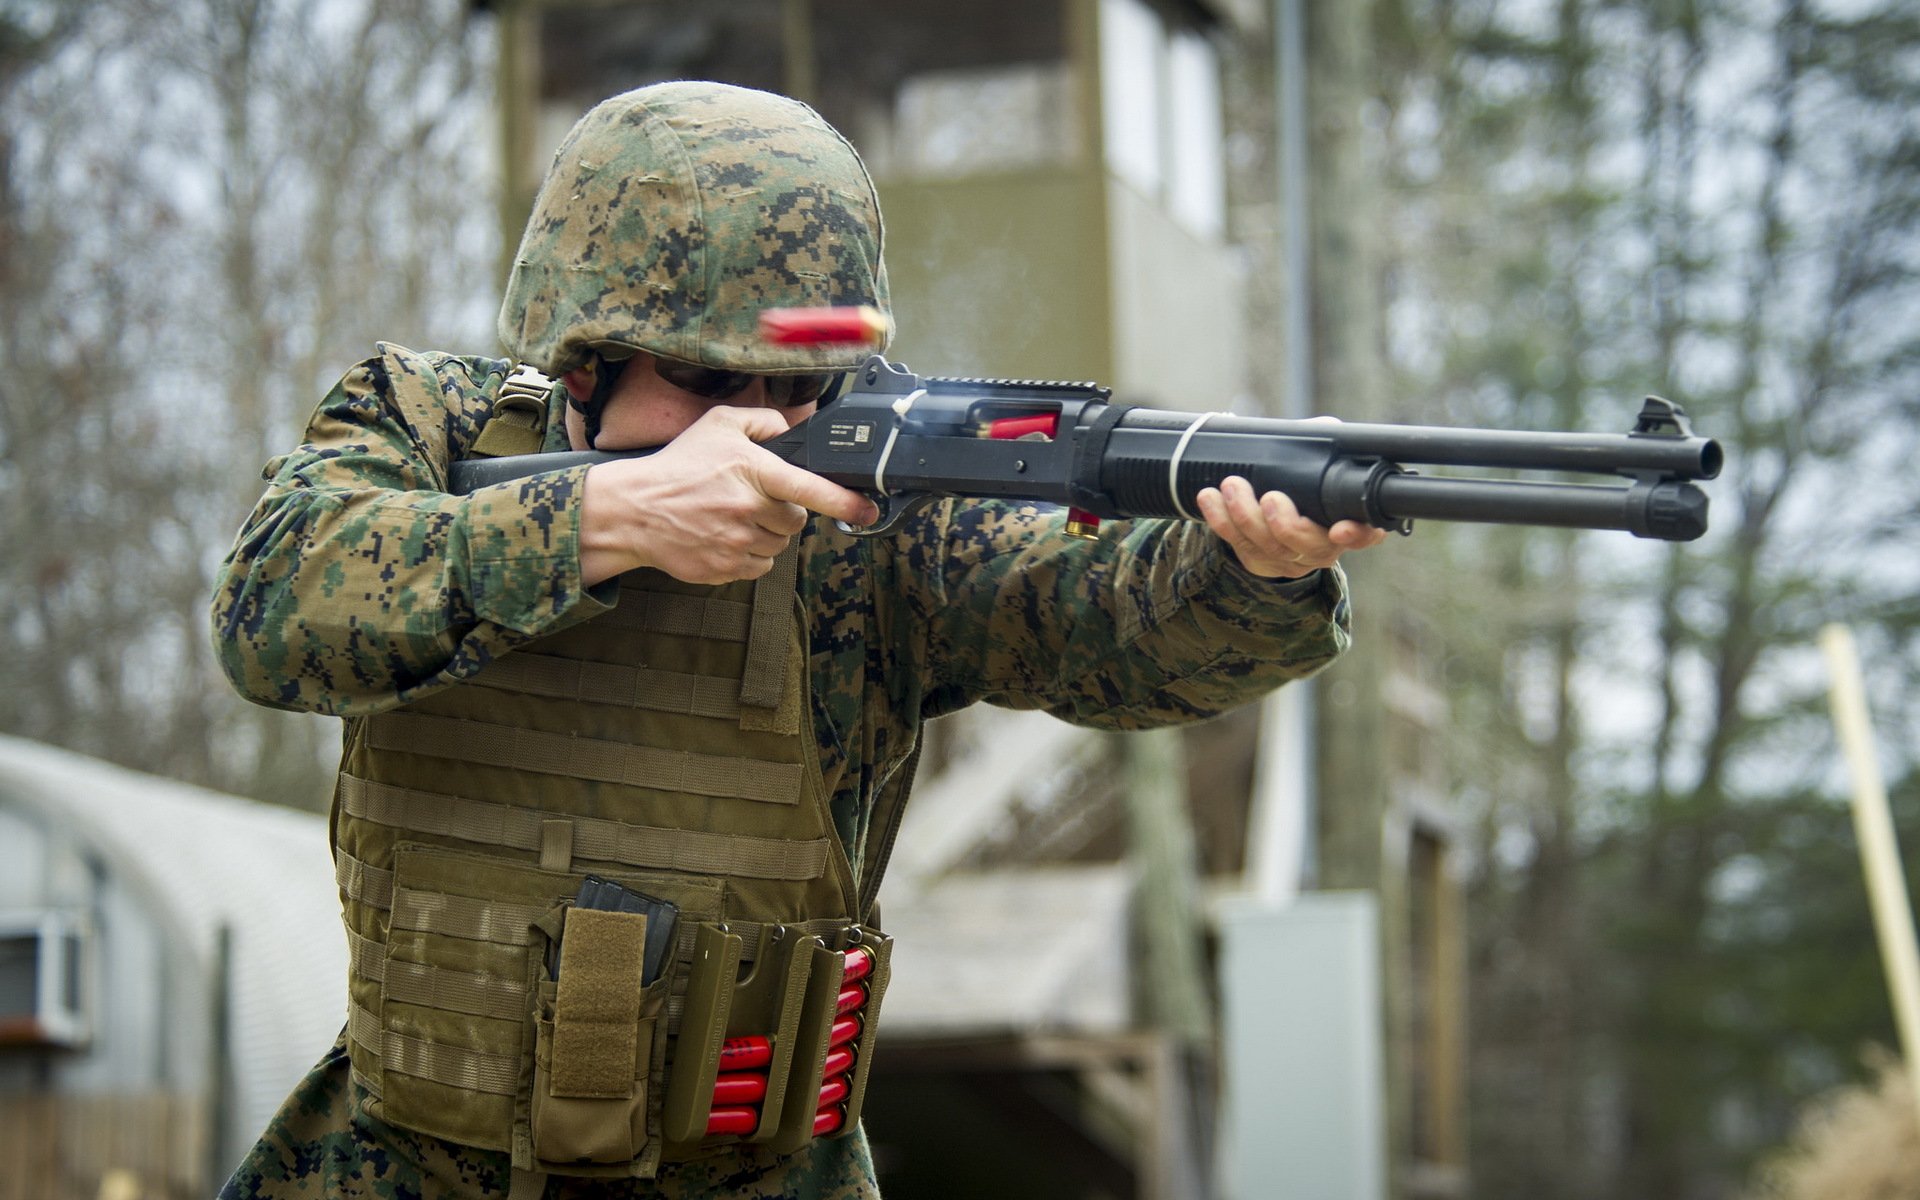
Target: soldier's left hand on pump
point(710, 507)
point(1271, 538)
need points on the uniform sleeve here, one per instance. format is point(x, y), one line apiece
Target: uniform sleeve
point(1154, 624)
point(357, 583)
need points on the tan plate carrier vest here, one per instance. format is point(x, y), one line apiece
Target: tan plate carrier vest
point(665, 745)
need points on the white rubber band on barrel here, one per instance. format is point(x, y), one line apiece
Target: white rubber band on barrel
point(1173, 468)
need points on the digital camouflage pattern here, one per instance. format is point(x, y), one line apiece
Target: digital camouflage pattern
point(673, 215)
point(357, 585)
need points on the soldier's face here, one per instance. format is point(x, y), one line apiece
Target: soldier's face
point(646, 410)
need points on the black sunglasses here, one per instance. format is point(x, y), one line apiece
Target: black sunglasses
point(785, 391)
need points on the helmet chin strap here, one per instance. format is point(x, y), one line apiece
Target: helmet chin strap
point(605, 375)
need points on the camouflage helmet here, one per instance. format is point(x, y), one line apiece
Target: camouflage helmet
point(674, 214)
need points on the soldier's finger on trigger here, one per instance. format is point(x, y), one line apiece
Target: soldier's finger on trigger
point(815, 494)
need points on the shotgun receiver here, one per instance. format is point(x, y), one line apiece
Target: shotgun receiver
point(904, 441)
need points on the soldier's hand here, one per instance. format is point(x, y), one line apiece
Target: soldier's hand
point(1271, 538)
point(710, 507)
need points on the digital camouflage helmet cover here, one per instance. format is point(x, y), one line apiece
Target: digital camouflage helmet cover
point(674, 215)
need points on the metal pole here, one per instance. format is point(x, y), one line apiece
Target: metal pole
point(802, 76)
point(1290, 93)
point(1301, 709)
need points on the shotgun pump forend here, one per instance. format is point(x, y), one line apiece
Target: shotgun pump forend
point(904, 441)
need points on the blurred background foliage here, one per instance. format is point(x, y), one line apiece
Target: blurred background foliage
point(1715, 202)
point(209, 209)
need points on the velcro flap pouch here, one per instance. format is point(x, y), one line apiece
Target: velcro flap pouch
point(590, 1098)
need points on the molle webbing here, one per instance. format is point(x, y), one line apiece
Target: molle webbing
point(706, 617)
point(465, 917)
point(361, 882)
point(500, 922)
point(563, 754)
point(364, 1028)
point(596, 839)
point(493, 921)
point(455, 1066)
point(471, 992)
point(435, 912)
point(608, 683)
point(767, 639)
point(765, 625)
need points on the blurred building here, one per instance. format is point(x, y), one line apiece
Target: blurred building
point(170, 965)
point(1116, 971)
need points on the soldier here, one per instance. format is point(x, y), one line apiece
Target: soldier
point(604, 671)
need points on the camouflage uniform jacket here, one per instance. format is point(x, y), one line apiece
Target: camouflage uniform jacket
point(358, 584)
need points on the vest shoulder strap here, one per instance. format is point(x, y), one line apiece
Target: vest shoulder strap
point(518, 424)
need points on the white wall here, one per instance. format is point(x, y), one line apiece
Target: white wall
point(1304, 1113)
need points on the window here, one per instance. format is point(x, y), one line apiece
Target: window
point(1160, 113)
point(1198, 186)
point(981, 119)
point(42, 979)
point(1132, 46)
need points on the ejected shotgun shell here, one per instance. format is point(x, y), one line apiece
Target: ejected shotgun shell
point(1083, 525)
point(732, 1120)
point(861, 325)
point(745, 1053)
point(749, 1088)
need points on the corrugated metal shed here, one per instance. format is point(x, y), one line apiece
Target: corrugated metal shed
point(198, 861)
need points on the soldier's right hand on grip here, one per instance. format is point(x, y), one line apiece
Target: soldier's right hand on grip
point(710, 507)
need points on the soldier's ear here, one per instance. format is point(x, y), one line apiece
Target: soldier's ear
point(579, 383)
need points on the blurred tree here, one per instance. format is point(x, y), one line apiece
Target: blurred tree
point(1716, 200)
point(1492, 132)
point(1781, 286)
point(211, 209)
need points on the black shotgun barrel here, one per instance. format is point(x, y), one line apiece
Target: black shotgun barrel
point(1671, 510)
point(1682, 456)
point(1157, 467)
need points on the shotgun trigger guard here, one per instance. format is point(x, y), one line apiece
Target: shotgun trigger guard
point(893, 510)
